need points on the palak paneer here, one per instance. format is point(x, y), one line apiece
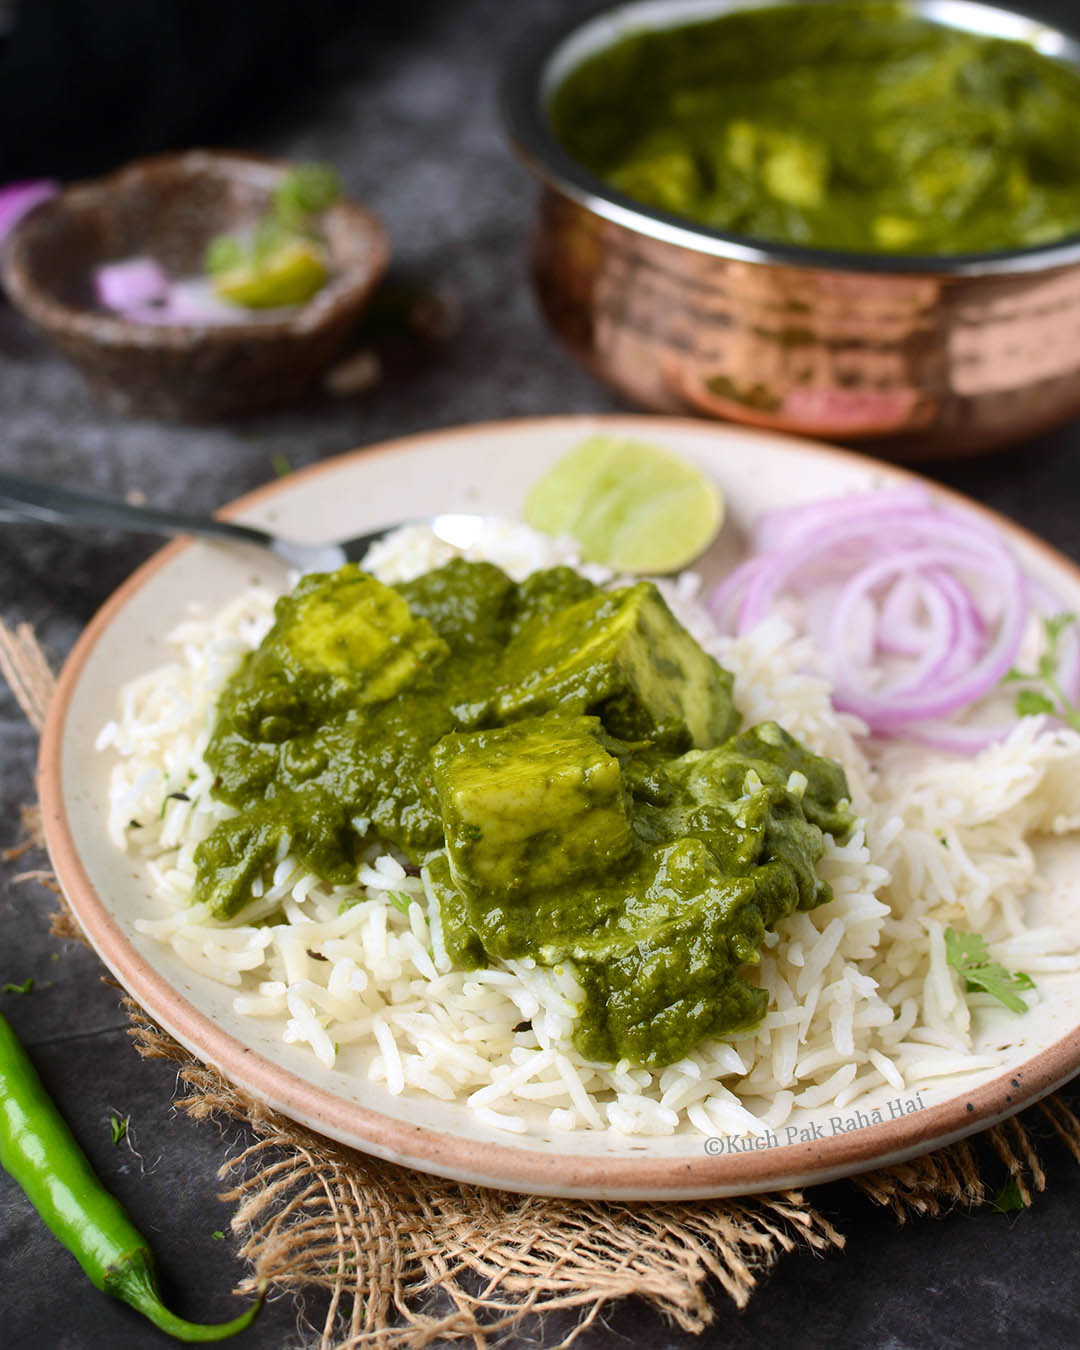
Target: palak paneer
point(564, 761)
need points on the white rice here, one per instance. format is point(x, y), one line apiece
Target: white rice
point(860, 994)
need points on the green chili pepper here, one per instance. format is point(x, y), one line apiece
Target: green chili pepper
point(41, 1154)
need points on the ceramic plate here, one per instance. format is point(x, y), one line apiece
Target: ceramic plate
point(488, 469)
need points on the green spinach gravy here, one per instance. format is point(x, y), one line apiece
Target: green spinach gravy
point(566, 763)
point(854, 126)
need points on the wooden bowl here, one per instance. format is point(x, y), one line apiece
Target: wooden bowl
point(169, 207)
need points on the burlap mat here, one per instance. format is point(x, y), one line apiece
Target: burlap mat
point(403, 1260)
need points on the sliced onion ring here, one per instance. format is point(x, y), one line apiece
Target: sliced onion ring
point(930, 694)
point(19, 199)
point(886, 575)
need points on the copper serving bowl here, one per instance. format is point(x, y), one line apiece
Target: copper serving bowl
point(169, 206)
point(919, 356)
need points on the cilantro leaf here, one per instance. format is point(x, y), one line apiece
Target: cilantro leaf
point(1032, 702)
point(223, 253)
point(400, 901)
point(967, 954)
point(964, 949)
point(1029, 703)
point(23, 988)
point(1000, 983)
point(118, 1127)
point(305, 191)
point(1009, 1198)
point(217, 1235)
point(280, 464)
point(1056, 625)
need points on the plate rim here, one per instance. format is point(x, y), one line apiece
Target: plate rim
point(484, 1162)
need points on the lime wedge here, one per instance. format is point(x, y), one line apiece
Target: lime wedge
point(288, 276)
point(631, 506)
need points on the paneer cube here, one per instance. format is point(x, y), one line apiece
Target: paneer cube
point(623, 656)
point(339, 639)
point(351, 627)
point(531, 807)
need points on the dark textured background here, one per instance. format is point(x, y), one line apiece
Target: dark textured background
point(408, 112)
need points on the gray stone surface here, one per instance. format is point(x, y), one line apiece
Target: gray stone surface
point(410, 118)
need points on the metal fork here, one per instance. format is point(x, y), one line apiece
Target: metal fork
point(29, 499)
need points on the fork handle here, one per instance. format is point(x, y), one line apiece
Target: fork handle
point(66, 506)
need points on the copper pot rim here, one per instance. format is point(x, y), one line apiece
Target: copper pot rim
point(529, 76)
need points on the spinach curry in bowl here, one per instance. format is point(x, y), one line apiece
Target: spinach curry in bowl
point(566, 764)
point(840, 125)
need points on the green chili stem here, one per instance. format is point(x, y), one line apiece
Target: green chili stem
point(39, 1151)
